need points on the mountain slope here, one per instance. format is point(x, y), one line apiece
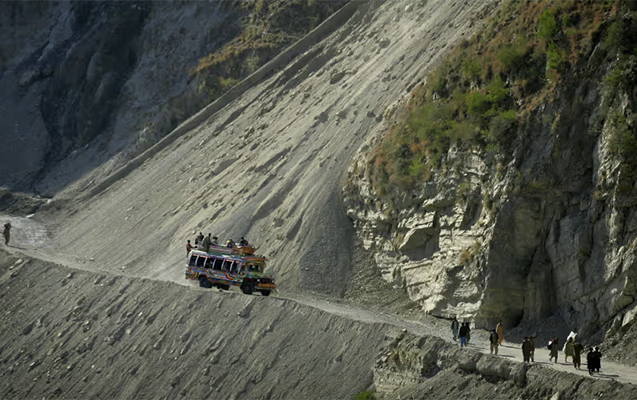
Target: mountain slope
point(269, 165)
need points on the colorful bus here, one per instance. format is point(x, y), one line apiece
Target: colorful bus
point(216, 269)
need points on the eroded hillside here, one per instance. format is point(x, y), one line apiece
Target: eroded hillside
point(75, 334)
point(505, 188)
point(86, 86)
point(267, 159)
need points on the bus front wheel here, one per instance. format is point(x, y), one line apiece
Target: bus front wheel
point(247, 288)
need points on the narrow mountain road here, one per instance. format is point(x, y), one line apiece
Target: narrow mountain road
point(31, 239)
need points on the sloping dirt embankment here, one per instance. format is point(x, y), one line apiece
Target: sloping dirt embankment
point(78, 334)
point(75, 334)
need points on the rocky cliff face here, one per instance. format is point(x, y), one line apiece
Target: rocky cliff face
point(92, 84)
point(548, 228)
point(82, 82)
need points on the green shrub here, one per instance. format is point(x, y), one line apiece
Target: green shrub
point(500, 126)
point(366, 395)
point(555, 57)
point(512, 56)
point(548, 25)
point(614, 37)
point(471, 69)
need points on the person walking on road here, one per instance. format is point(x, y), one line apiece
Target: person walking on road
point(568, 349)
point(499, 328)
point(554, 348)
point(526, 349)
point(454, 328)
point(493, 340)
point(468, 332)
point(577, 354)
point(532, 340)
point(596, 360)
point(462, 334)
point(7, 233)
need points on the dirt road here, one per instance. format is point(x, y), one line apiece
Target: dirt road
point(30, 238)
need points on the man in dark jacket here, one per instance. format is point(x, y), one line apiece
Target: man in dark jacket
point(462, 334)
point(455, 325)
point(526, 350)
point(577, 354)
point(590, 362)
point(597, 360)
point(495, 342)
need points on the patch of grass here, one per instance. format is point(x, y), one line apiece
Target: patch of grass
point(493, 83)
point(266, 28)
point(366, 395)
point(547, 27)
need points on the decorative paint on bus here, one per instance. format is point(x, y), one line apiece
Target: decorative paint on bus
point(223, 271)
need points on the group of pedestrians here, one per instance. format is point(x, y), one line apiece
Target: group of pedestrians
point(572, 348)
point(461, 331)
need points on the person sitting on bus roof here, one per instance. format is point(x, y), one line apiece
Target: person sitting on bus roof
point(215, 240)
point(243, 242)
point(230, 243)
point(199, 238)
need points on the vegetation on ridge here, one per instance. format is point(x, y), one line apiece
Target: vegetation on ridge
point(266, 28)
point(492, 83)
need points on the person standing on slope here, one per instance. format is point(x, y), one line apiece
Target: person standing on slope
point(526, 349)
point(188, 247)
point(499, 328)
point(7, 233)
point(494, 340)
point(454, 328)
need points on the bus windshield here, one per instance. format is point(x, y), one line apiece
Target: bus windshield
point(255, 268)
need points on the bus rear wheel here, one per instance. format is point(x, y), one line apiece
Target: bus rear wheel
point(204, 282)
point(265, 292)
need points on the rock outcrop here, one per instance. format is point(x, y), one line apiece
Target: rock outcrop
point(410, 367)
point(546, 229)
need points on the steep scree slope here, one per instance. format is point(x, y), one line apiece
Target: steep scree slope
point(269, 165)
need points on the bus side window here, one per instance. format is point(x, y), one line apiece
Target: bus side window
point(242, 269)
point(216, 264)
point(193, 260)
point(201, 261)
